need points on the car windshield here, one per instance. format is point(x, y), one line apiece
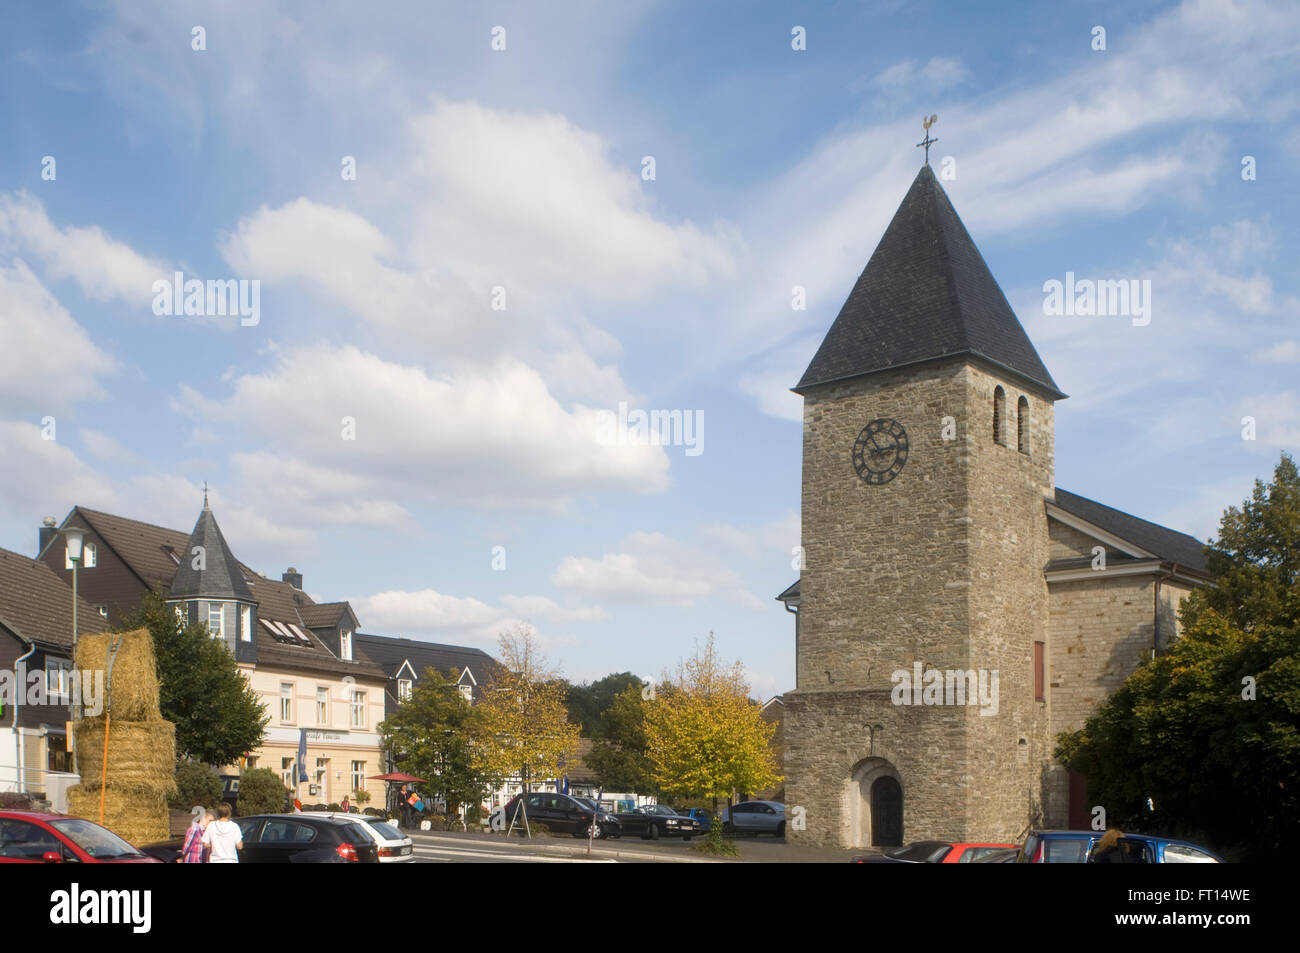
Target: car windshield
point(915, 852)
point(94, 840)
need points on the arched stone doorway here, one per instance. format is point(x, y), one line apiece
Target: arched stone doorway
point(875, 804)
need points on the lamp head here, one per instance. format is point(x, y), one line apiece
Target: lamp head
point(75, 535)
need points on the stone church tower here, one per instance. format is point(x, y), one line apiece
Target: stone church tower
point(927, 461)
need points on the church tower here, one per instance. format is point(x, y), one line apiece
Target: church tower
point(927, 457)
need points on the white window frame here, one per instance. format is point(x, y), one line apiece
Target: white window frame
point(221, 619)
point(58, 680)
point(345, 645)
point(466, 692)
point(358, 775)
point(404, 689)
point(322, 705)
point(286, 699)
point(246, 624)
point(289, 772)
point(358, 709)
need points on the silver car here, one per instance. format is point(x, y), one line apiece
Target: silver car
point(761, 817)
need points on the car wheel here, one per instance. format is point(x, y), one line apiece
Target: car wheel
point(780, 829)
point(654, 831)
point(597, 831)
point(686, 838)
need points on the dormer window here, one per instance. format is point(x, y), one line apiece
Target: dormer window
point(345, 645)
point(403, 689)
point(467, 692)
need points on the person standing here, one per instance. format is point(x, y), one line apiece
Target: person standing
point(192, 851)
point(223, 836)
point(346, 806)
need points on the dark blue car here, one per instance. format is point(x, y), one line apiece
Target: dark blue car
point(1078, 847)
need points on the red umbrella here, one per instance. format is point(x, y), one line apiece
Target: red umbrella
point(397, 777)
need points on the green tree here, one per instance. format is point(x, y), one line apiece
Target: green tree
point(619, 754)
point(261, 791)
point(704, 735)
point(523, 723)
point(588, 703)
point(218, 715)
point(196, 784)
point(1204, 740)
point(431, 735)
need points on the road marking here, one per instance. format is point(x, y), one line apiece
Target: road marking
point(449, 853)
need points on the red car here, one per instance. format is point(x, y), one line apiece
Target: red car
point(36, 837)
point(933, 852)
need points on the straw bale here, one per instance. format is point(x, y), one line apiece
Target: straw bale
point(141, 754)
point(138, 818)
point(134, 689)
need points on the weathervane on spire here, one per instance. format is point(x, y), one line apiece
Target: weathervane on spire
point(205, 494)
point(927, 141)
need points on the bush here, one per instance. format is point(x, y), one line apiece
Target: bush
point(260, 792)
point(335, 807)
point(715, 844)
point(196, 783)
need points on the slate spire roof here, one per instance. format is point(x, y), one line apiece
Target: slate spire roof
point(925, 294)
point(221, 577)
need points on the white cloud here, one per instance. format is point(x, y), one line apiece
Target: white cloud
point(1283, 352)
point(495, 438)
point(103, 447)
point(654, 569)
point(427, 613)
point(102, 267)
point(41, 476)
point(47, 360)
point(936, 74)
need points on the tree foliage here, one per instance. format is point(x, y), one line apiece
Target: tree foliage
point(1204, 741)
point(523, 721)
point(431, 736)
point(588, 703)
point(619, 755)
point(705, 737)
point(261, 791)
point(218, 715)
point(196, 784)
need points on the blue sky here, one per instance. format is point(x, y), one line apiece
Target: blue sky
point(521, 169)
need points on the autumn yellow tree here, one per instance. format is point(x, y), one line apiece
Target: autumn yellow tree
point(704, 735)
point(523, 727)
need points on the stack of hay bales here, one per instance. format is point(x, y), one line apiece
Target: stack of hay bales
point(141, 770)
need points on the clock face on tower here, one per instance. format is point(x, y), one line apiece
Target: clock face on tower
point(880, 451)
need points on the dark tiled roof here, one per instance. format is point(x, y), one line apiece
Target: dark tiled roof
point(323, 614)
point(221, 576)
point(925, 294)
point(37, 604)
point(389, 653)
point(142, 546)
point(791, 592)
point(1170, 545)
point(275, 599)
point(317, 658)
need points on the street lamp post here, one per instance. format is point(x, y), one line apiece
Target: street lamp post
point(75, 536)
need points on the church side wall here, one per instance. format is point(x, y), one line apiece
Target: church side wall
point(1009, 605)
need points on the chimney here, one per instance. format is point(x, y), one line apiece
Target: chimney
point(49, 529)
point(293, 577)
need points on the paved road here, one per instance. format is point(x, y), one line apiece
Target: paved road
point(476, 848)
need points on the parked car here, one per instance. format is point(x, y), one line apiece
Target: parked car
point(305, 839)
point(168, 851)
point(658, 820)
point(1079, 847)
point(561, 814)
point(39, 837)
point(999, 857)
point(702, 817)
point(761, 817)
point(934, 852)
point(394, 846)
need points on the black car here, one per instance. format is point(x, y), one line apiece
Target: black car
point(297, 839)
point(656, 821)
point(560, 814)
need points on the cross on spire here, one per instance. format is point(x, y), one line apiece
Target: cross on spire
point(205, 494)
point(927, 141)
